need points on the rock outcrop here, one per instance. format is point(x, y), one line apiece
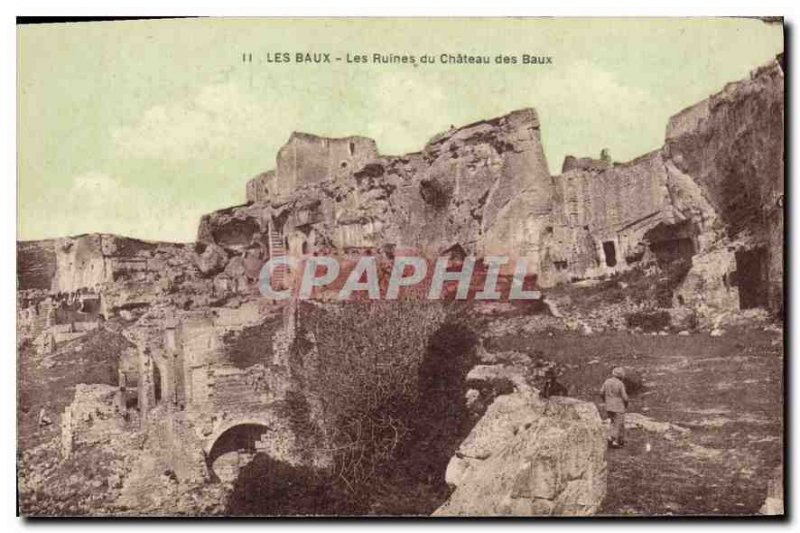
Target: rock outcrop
point(530, 457)
point(732, 146)
point(462, 188)
point(485, 189)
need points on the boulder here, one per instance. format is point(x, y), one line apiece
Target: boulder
point(503, 379)
point(530, 457)
point(211, 260)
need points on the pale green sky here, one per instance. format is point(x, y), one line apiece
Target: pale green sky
point(138, 128)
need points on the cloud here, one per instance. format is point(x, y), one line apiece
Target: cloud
point(94, 183)
point(586, 108)
point(98, 202)
point(216, 118)
point(405, 111)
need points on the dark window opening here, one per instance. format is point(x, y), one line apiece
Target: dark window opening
point(560, 265)
point(549, 230)
point(131, 402)
point(352, 148)
point(610, 252)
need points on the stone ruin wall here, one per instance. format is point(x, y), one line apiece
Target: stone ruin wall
point(308, 159)
point(191, 392)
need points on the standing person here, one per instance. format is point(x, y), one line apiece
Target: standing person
point(616, 400)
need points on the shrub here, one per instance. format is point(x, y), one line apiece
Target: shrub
point(649, 320)
point(370, 374)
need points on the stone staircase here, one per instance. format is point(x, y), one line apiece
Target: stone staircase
point(277, 249)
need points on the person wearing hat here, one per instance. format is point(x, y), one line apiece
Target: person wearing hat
point(616, 400)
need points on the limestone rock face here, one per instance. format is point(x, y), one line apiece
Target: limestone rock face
point(732, 146)
point(607, 219)
point(233, 228)
point(485, 187)
point(341, 193)
point(530, 457)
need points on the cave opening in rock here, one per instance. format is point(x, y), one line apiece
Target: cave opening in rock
point(610, 253)
point(435, 193)
point(751, 270)
point(235, 232)
point(672, 242)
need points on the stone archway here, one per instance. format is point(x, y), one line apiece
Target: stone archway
point(233, 447)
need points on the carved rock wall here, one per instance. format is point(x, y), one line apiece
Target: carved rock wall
point(732, 145)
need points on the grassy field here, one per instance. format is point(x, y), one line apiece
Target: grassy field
point(727, 391)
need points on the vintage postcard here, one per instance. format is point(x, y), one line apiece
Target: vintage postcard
point(400, 267)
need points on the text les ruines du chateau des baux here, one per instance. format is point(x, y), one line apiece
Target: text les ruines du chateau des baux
point(316, 58)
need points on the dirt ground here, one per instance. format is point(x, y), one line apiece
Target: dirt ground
point(726, 391)
point(724, 394)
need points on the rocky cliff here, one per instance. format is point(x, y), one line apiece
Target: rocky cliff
point(485, 188)
point(732, 147)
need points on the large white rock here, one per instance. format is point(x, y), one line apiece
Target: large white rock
point(528, 456)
